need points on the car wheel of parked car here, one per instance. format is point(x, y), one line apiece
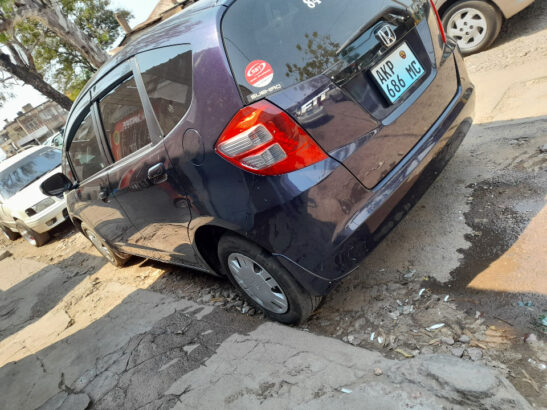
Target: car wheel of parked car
point(34, 238)
point(110, 254)
point(264, 282)
point(473, 24)
point(8, 233)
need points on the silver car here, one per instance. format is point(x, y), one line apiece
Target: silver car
point(24, 209)
point(475, 24)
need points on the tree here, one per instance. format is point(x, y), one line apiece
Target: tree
point(59, 44)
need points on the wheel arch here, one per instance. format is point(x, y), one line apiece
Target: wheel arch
point(448, 3)
point(206, 240)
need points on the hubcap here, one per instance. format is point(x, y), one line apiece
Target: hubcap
point(468, 27)
point(107, 253)
point(28, 237)
point(258, 283)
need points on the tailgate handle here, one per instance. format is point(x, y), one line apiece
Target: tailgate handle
point(157, 174)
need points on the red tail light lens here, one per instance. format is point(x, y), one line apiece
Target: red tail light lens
point(264, 140)
point(441, 28)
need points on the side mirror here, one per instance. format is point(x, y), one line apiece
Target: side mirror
point(56, 185)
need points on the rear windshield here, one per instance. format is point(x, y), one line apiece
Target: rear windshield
point(275, 44)
point(28, 170)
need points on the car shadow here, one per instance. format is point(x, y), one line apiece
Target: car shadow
point(28, 300)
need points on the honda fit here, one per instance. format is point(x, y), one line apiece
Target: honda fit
point(271, 142)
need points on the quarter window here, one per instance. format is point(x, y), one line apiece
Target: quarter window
point(123, 119)
point(167, 76)
point(84, 151)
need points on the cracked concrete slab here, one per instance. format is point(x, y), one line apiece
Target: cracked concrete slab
point(276, 367)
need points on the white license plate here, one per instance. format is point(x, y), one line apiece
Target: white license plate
point(397, 72)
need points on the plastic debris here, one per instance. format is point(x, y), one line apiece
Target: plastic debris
point(380, 340)
point(410, 274)
point(421, 292)
point(446, 298)
point(435, 327)
point(530, 338)
point(538, 365)
point(372, 336)
point(347, 391)
point(525, 304)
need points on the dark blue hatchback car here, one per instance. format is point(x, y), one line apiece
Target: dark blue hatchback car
point(273, 142)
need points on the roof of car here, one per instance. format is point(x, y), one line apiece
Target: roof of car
point(18, 157)
point(138, 45)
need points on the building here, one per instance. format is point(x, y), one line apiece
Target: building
point(163, 10)
point(33, 125)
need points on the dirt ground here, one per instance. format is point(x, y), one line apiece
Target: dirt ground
point(464, 274)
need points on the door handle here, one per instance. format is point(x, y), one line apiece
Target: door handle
point(157, 174)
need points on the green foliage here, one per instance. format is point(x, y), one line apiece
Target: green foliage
point(59, 63)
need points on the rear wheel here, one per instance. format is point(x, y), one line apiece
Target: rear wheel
point(115, 258)
point(473, 24)
point(8, 233)
point(264, 282)
point(34, 238)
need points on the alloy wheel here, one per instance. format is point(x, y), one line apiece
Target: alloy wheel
point(257, 283)
point(468, 27)
point(29, 237)
point(4, 232)
point(105, 251)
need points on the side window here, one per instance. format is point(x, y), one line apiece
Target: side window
point(123, 119)
point(84, 151)
point(167, 76)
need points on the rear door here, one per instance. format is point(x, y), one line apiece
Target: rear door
point(365, 79)
point(142, 179)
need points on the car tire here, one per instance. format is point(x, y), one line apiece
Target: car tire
point(482, 19)
point(31, 236)
point(8, 233)
point(264, 282)
point(114, 257)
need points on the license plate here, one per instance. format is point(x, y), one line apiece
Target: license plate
point(397, 72)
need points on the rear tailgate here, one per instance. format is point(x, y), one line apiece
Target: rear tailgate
point(325, 63)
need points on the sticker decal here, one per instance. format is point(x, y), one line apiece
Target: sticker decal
point(263, 93)
point(259, 73)
point(311, 3)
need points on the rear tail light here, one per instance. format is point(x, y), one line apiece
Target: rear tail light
point(439, 22)
point(263, 139)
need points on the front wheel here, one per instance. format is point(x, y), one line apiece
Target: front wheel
point(473, 24)
point(32, 237)
point(264, 282)
point(8, 233)
point(110, 254)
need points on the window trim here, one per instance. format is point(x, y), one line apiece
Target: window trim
point(145, 93)
point(79, 119)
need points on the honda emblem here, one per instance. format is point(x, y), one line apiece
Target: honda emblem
point(386, 35)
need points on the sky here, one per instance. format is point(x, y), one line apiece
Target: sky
point(141, 9)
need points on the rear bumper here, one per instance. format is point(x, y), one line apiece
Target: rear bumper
point(324, 255)
point(49, 219)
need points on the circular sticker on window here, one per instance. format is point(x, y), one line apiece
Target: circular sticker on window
point(259, 73)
